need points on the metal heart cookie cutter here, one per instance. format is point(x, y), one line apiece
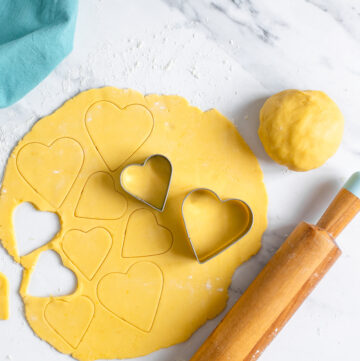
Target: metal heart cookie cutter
point(212, 225)
point(148, 182)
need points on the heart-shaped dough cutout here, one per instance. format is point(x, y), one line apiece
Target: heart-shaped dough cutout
point(70, 319)
point(51, 170)
point(118, 133)
point(148, 182)
point(144, 236)
point(213, 224)
point(100, 200)
point(87, 250)
point(135, 296)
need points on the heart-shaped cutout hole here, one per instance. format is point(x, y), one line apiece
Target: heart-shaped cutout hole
point(33, 228)
point(148, 182)
point(213, 224)
point(51, 277)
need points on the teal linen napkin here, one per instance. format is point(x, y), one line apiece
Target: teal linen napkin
point(35, 36)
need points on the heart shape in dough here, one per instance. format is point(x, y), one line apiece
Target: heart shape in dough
point(51, 170)
point(118, 133)
point(87, 250)
point(70, 319)
point(213, 224)
point(148, 182)
point(144, 236)
point(134, 296)
point(99, 198)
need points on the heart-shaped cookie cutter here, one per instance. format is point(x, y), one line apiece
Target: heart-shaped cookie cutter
point(143, 165)
point(242, 234)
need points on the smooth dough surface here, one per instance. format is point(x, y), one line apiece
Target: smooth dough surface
point(139, 285)
point(300, 129)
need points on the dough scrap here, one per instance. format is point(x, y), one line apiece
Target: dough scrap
point(136, 295)
point(4, 297)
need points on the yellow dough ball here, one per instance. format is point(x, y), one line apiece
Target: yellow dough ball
point(300, 129)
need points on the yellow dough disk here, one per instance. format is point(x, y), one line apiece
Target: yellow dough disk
point(139, 286)
point(4, 297)
point(300, 129)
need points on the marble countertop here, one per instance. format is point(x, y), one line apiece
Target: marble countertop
point(229, 55)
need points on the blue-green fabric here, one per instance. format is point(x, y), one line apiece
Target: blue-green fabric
point(35, 36)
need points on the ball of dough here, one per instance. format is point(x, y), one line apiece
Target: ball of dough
point(300, 129)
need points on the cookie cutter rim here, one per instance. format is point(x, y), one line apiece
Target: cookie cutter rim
point(143, 164)
point(249, 225)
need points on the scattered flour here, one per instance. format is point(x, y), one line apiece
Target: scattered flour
point(208, 285)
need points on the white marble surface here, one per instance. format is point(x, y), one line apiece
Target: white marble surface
point(229, 55)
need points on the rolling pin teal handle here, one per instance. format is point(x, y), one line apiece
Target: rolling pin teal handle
point(353, 184)
point(343, 208)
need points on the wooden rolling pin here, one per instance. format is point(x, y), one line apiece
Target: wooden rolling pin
point(284, 283)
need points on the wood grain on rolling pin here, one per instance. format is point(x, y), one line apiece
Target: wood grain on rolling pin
point(273, 297)
point(341, 211)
